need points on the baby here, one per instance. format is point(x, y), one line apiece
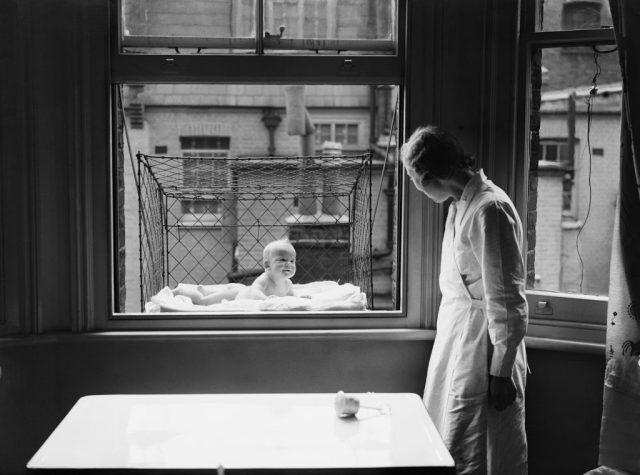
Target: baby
point(279, 261)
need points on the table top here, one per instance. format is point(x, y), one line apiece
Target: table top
point(243, 431)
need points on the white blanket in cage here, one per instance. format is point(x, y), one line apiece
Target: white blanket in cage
point(318, 296)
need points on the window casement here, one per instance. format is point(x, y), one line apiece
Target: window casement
point(198, 172)
point(573, 83)
point(554, 150)
point(347, 134)
point(229, 72)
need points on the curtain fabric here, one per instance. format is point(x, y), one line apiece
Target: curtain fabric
point(619, 434)
point(623, 329)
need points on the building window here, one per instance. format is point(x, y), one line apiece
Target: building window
point(345, 134)
point(200, 174)
point(557, 155)
point(554, 150)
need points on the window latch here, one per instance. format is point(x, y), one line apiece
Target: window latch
point(543, 307)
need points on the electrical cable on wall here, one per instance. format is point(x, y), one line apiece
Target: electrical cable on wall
point(386, 157)
point(592, 93)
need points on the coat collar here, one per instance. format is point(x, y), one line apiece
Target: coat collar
point(475, 184)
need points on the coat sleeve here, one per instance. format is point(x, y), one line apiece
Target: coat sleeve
point(496, 242)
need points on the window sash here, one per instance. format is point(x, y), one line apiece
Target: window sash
point(293, 68)
point(261, 39)
point(576, 317)
point(311, 45)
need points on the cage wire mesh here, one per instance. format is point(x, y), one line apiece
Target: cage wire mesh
point(206, 220)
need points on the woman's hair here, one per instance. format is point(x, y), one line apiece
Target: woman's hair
point(433, 150)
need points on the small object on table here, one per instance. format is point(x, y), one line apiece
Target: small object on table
point(348, 406)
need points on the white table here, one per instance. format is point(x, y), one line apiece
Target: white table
point(238, 433)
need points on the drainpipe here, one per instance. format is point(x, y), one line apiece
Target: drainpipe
point(299, 123)
point(271, 121)
point(571, 128)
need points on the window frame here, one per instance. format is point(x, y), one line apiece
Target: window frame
point(554, 315)
point(198, 219)
point(333, 124)
point(265, 38)
point(259, 68)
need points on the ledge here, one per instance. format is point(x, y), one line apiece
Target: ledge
point(537, 343)
point(310, 335)
point(567, 346)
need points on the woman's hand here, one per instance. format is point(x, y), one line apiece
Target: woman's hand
point(502, 392)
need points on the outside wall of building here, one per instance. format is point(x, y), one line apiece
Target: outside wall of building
point(583, 266)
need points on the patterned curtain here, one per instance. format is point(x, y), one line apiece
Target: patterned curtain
point(619, 435)
point(623, 330)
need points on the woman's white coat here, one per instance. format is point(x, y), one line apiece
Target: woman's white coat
point(481, 324)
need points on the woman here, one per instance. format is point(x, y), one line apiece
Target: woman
point(477, 371)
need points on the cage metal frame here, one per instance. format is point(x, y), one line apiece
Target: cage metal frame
point(163, 178)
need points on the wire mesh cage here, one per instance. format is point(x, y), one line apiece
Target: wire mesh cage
point(206, 220)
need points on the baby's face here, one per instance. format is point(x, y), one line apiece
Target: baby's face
point(282, 263)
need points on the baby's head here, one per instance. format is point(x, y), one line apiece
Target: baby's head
point(279, 258)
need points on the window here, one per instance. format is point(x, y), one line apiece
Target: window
point(232, 26)
point(572, 191)
point(347, 135)
point(197, 173)
point(556, 158)
point(554, 150)
point(226, 124)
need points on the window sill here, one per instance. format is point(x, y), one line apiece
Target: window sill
point(241, 335)
point(565, 346)
point(532, 342)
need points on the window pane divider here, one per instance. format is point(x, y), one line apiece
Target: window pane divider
point(159, 41)
point(571, 38)
point(292, 69)
point(322, 44)
point(249, 43)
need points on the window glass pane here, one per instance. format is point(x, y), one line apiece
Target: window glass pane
point(226, 26)
point(329, 25)
point(224, 188)
point(573, 190)
point(323, 134)
point(198, 173)
point(189, 25)
point(557, 15)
